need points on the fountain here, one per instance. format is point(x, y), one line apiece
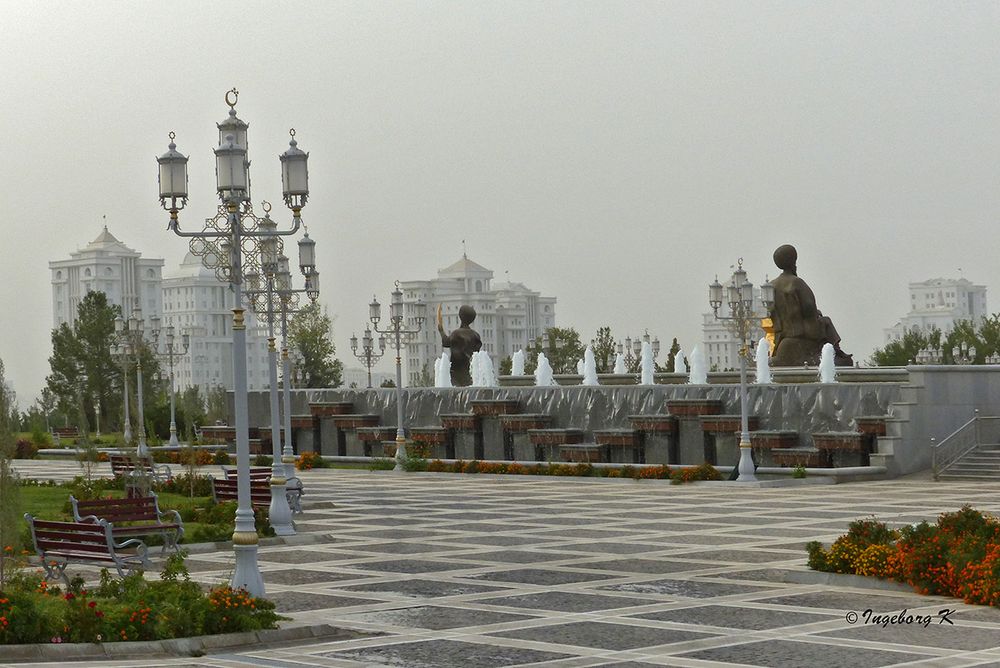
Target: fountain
point(442, 370)
point(647, 366)
point(680, 366)
point(517, 363)
point(579, 367)
point(543, 372)
point(589, 368)
point(827, 365)
point(619, 363)
point(699, 369)
point(763, 365)
point(482, 370)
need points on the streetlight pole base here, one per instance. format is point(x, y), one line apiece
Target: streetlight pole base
point(279, 513)
point(400, 453)
point(746, 467)
point(247, 573)
point(174, 443)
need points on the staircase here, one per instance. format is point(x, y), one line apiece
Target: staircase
point(970, 453)
point(980, 463)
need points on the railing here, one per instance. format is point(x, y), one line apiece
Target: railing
point(956, 445)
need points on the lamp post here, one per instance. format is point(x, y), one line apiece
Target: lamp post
point(121, 349)
point(398, 332)
point(739, 297)
point(171, 349)
point(930, 356)
point(264, 292)
point(131, 339)
point(289, 305)
point(963, 353)
point(229, 243)
point(368, 356)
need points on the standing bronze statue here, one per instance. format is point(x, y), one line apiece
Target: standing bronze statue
point(800, 329)
point(463, 342)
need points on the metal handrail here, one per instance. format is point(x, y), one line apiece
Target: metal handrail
point(954, 446)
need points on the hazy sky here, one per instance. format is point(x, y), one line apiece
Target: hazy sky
point(616, 155)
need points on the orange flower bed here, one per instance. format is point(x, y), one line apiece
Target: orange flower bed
point(958, 556)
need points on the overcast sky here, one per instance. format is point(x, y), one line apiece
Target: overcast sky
point(616, 155)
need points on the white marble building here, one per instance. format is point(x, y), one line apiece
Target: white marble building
point(109, 266)
point(197, 303)
point(939, 303)
point(508, 315)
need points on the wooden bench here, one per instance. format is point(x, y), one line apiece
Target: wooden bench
point(135, 516)
point(131, 466)
point(65, 432)
point(225, 490)
point(59, 544)
point(258, 474)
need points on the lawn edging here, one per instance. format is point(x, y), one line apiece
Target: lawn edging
point(174, 647)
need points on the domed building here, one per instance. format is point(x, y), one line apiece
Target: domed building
point(109, 266)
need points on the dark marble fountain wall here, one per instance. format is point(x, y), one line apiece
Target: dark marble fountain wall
point(804, 407)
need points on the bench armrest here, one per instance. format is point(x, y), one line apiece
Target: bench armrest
point(140, 548)
point(170, 513)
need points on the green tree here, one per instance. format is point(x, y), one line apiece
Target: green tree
point(82, 367)
point(310, 337)
point(217, 405)
point(561, 346)
point(604, 349)
point(10, 506)
point(671, 356)
point(904, 351)
point(191, 404)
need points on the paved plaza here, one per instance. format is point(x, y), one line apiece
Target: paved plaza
point(470, 571)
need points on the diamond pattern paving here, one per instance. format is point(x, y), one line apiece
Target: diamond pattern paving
point(480, 571)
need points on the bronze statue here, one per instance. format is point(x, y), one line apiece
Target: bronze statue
point(800, 329)
point(463, 342)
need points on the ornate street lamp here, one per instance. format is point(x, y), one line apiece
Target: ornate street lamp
point(369, 357)
point(231, 244)
point(130, 339)
point(171, 350)
point(739, 297)
point(399, 333)
point(269, 293)
point(120, 349)
point(963, 353)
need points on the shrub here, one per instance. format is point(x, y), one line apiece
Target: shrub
point(129, 608)
point(262, 460)
point(310, 460)
point(437, 466)
point(40, 437)
point(25, 449)
point(655, 473)
point(703, 471)
point(958, 556)
point(221, 458)
point(382, 464)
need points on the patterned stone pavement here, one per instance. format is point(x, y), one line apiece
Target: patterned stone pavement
point(490, 571)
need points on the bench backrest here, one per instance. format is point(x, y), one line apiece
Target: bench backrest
point(226, 490)
point(89, 537)
point(129, 463)
point(257, 473)
point(116, 511)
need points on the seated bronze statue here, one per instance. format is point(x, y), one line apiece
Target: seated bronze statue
point(463, 342)
point(800, 329)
